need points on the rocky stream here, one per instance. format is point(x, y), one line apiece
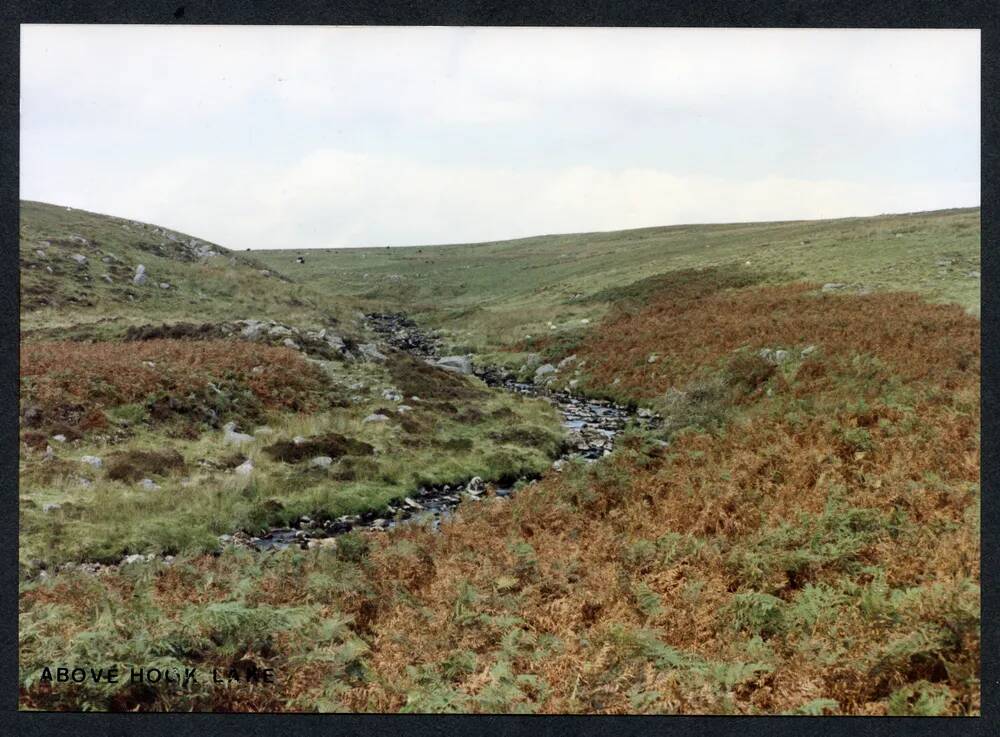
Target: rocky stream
point(591, 426)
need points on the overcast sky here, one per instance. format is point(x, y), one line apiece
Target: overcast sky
point(275, 137)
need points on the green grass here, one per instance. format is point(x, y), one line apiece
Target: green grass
point(489, 295)
point(61, 297)
point(436, 442)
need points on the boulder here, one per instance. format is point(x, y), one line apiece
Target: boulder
point(252, 329)
point(140, 275)
point(279, 331)
point(231, 437)
point(455, 364)
point(544, 370)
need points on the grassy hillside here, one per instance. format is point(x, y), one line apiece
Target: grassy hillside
point(496, 294)
point(78, 268)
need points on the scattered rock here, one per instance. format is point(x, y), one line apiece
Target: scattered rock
point(375, 417)
point(140, 275)
point(545, 370)
point(773, 356)
point(808, 350)
point(392, 396)
point(164, 285)
point(231, 437)
point(60, 438)
point(455, 364)
point(370, 352)
point(652, 358)
point(289, 343)
point(320, 461)
point(149, 485)
point(245, 468)
point(831, 286)
point(48, 508)
point(91, 461)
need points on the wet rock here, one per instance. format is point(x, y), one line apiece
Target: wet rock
point(412, 504)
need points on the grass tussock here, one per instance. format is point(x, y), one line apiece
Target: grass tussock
point(333, 445)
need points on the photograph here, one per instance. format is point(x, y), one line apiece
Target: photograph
point(427, 369)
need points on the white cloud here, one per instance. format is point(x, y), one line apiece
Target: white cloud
point(335, 198)
point(272, 137)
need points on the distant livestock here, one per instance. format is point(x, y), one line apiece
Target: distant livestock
point(300, 260)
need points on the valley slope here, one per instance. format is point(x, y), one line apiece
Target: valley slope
point(799, 534)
